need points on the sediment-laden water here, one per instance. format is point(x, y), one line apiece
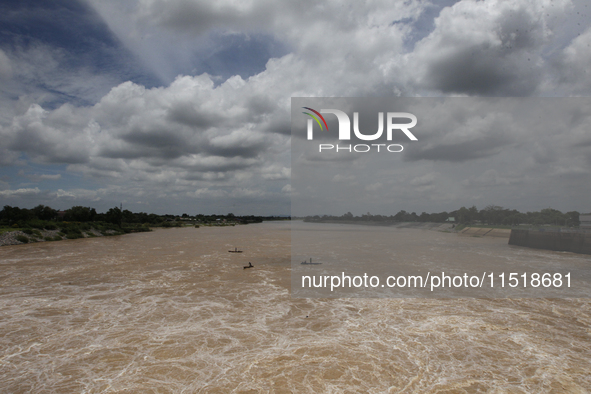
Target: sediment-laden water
point(172, 311)
point(423, 263)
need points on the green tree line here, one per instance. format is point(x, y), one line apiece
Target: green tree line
point(21, 217)
point(491, 215)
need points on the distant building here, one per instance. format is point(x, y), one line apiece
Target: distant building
point(450, 219)
point(585, 221)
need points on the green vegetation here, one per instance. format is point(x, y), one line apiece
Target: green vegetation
point(22, 238)
point(81, 222)
point(43, 217)
point(491, 216)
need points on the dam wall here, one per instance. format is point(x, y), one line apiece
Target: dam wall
point(562, 241)
point(485, 232)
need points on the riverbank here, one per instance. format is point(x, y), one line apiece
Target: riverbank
point(416, 225)
point(75, 231)
point(445, 227)
point(20, 237)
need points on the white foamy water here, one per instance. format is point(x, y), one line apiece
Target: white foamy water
point(173, 312)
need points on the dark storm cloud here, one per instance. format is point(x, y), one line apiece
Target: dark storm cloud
point(169, 144)
point(490, 48)
point(481, 70)
point(203, 169)
point(143, 152)
point(154, 138)
point(184, 112)
point(245, 151)
point(260, 105)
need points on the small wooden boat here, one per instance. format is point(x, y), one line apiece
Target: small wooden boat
point(310, 263)
point(235, 251)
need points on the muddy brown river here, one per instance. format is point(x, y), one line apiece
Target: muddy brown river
point(171, 311)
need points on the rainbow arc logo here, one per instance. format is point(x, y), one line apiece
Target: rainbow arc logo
point(316, 118)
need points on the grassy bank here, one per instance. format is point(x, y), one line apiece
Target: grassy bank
point(47, 231)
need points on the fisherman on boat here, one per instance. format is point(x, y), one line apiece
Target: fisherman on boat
point(310, 263)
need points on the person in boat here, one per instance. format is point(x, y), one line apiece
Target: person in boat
point(249, 265)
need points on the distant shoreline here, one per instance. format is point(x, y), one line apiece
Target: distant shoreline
point(418, 225)
point(12, 237)
point(444, 227)
point(9, 238)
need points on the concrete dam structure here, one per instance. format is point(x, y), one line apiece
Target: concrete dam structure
point(561, 241)
point(485, 232)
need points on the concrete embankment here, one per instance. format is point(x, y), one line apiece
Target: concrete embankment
point(567, 241)
point(415, 225)
point(485, 232)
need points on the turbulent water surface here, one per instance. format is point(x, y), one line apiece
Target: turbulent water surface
point(172, 311)
point(421, 263)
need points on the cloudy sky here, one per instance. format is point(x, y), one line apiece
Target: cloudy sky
point(173, 106)
point(526, 153)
